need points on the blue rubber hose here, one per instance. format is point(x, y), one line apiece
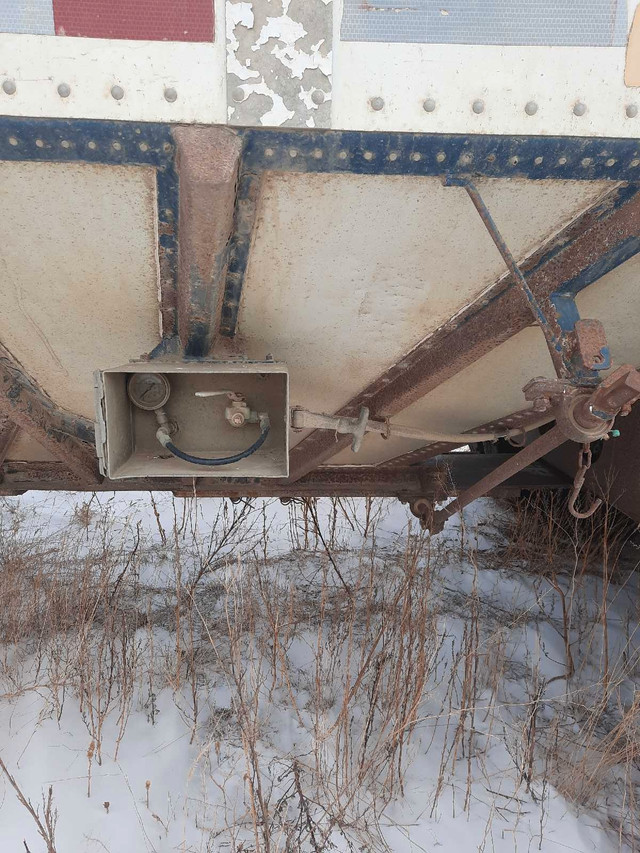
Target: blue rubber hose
point(226, 460)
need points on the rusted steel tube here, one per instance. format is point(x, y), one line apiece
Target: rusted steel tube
point(303, 419)
point(534, 451)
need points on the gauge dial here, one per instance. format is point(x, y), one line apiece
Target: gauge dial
point(148, 390)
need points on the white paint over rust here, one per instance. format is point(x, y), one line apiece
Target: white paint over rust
point(79, 274)
point(347, 273)
point(278, 53)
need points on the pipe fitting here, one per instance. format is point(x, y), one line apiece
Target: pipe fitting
point(576, 420)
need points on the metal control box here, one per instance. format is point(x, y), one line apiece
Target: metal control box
point(195, 401)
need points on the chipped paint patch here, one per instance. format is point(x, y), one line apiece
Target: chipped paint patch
point(279, 62)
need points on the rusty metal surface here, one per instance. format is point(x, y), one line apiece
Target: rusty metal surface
point(492, 319)
point(516, 462)
point(68, 437)
point(207, 161)
point(523, 419)
point(8, 432)
point(437, 479)
point(589, 342)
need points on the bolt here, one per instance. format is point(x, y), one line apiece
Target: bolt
point(531, 108)
point(9, 87)
point(318, 96)
point(64, 90)
point(117, 92)
point(579, 109)
point(238, 94)
point(429, 105)
point(377, 104)
point(170, 94)
point(631, 110)
point(237, 419)
point(478, 107)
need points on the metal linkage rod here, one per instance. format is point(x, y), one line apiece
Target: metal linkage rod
point(553, 341)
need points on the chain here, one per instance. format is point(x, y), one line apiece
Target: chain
point(584, 463)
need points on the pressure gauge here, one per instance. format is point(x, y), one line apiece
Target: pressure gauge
point(148, 391)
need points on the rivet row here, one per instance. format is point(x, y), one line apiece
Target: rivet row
point(9, 87)
point(464, 159)
point(478, 106)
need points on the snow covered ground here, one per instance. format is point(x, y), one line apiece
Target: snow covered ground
point(201, 676)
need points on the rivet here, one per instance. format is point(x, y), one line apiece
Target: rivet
point(631, 110)
point(268, 152)
point(65, 143)
point(416, 156)
point(170, 94)
point(562, 161)
point(491, 158)
point(377, 104)
point(39, 143)
point(429, 105)
point(116, 145)
point(342, 155)
point(634, 163)
point(531, 108)
point(293, 152)
point(368, 155)
point(64, 90)
point(478, 107)
point(513, 161)
point(610, 162)
point(579, 109)
point(117, 92)
point(13, 140)
point(393, 155)
point(167, 147)
point(318, 96)
point(9, 87)
point(92, 145)
point(465, 159)
point(587, 161)
point(317, 153)
point(143, 146)
point(441, 156)
point(238, 94)
point(538, 161)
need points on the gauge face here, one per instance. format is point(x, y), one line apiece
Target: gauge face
point(148, 390)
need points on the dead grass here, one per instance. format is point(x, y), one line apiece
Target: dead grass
point(364, 645)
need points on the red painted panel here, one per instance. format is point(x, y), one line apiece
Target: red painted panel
point(156, 20)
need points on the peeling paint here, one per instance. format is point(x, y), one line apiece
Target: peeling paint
point(279, 62)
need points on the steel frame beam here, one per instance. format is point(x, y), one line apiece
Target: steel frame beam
point(598, 239)
point(69, 438)
point(436, 479)
point(207, 161)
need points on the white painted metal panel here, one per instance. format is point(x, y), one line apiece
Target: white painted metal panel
point(79, 283)
point(91, 67)
point(502, 79)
